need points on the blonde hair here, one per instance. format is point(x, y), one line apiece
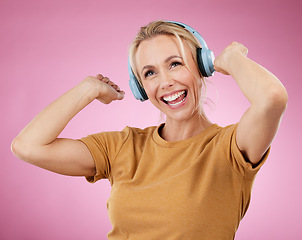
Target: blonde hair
point(157, 28)
point(183, 36)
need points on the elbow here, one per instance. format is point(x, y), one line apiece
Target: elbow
point(19, 149)
point(276, 100)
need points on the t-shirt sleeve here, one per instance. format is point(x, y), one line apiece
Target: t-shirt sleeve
point(235, 156)
point(104, 147)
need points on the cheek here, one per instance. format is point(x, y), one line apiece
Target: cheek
point(198, 87)
point(194, 83)
point(187, 78)
point(181, 75)
point(150, 89)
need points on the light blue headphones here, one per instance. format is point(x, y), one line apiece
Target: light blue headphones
point(205, 60)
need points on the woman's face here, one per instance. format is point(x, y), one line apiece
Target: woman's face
point(168, 82)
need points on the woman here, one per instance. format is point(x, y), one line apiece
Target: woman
point(185, 179)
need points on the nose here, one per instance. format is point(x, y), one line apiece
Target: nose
point(166, 80)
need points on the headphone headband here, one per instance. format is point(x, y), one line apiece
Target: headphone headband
point(194, 32)
point(205, 61)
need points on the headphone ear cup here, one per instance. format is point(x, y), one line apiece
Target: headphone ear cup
point(205, 60)
point(137, 90)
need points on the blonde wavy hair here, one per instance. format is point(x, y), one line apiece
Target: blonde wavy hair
point(183, 36)
point(157, 28)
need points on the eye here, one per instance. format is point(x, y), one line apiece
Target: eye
point(148, 73)
point(175, 64)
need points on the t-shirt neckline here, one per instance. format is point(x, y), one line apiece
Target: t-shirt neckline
point(160, 141)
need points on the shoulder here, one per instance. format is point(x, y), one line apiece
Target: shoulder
point(219, 139)
point(222, 131)
point(223, 137)
point(120, 136)
point(226, 142)
point(218, 133)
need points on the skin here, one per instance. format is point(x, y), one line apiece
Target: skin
point(268, 97)
point(163, 73)
point(38, 142)
point(160, 77)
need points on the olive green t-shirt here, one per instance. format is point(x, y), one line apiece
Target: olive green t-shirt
point(197, 188)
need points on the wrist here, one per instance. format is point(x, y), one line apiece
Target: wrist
point(91, 88)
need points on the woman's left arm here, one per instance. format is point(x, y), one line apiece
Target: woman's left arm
point(268, 97)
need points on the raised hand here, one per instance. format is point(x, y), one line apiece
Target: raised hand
point(222, 62)
point(108, 91)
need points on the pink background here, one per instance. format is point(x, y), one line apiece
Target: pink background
point(47, 47)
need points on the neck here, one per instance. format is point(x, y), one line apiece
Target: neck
point(179, 130)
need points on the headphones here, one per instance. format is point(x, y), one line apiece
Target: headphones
point(205, 60)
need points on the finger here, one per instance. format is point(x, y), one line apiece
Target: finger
point(120, 95)
point(243, 48)
point(112, 84)
point(105, 80)
point(116, 87)
point(99, 76)
point(245, 52)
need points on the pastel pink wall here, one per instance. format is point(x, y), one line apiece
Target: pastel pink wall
point(47, 47)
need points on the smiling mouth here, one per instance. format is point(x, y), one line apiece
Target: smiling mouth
point(176, 98)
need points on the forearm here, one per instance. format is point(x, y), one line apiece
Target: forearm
point(259, 124)
point(50, 122)
point(258, 84)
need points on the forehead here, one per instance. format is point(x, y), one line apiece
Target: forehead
point(157, 49)
point(160, 41)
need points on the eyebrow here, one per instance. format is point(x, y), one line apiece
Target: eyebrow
point(167, 60)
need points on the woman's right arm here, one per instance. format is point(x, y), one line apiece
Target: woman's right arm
point(38, 142)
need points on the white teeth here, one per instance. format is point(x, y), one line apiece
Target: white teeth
point(174, 96)
point(174, 104)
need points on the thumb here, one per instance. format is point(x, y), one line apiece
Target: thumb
point(120, 95)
